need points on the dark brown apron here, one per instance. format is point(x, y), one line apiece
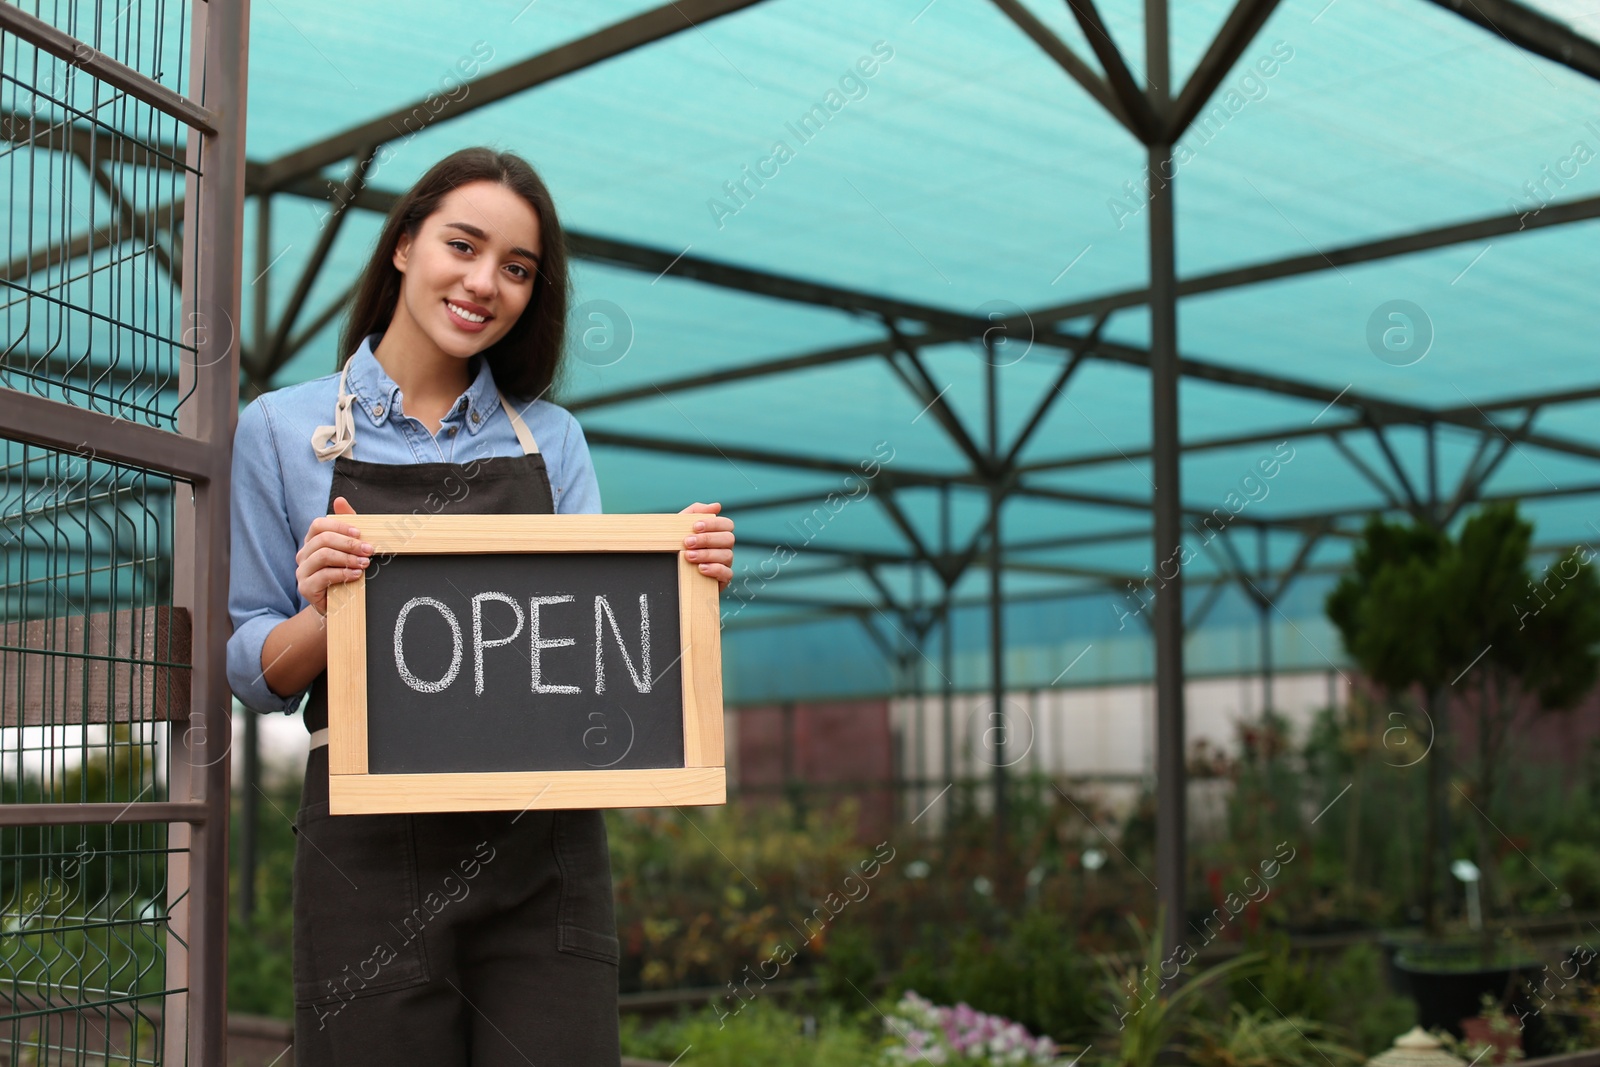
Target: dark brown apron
point(454, 938)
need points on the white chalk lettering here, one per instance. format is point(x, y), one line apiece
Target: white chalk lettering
point(455, 656)
point(602, 609)
point(540, 643)
point(478, 643)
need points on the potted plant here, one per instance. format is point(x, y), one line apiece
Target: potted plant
point(1493, 1031)
point(1466, 621)
point(1449, 979)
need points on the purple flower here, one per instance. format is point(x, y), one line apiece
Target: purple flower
point(933, 1033)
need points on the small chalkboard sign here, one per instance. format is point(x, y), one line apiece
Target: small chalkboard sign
point(507, 662)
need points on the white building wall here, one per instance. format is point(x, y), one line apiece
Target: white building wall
point(1102, 739)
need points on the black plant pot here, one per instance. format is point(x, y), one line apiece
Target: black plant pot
point(1447, 994)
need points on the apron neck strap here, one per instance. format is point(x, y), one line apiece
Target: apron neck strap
point(530, 447)
point(330, 442)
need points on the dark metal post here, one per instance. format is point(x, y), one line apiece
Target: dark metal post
point(918, 727)
point(947, 656)
point(1264, 609)
point(1171, 816)
point(997, 679)
point(900, 667)
point(214, 239)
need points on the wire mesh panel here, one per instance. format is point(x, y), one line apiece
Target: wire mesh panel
point(93, 662)
point(118, 405)
point(93, 181)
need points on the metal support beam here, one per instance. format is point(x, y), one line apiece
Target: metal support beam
point(715, 378)
point(1057, 49)
point(889, 602)
point(997, 726)
point(1553, 214)
point(1304, 523)
point(269, 362)
point(1196, 617)
point(883, 643)
point(1373, 408)
point(923, 387)
point(1135, 104)
point(1296, 565)
point(1264, 626)
point(1531, 31)
point(902, 522)
point(916, 732)
point(213, 233)
point(1526, 400)
point(60, 814)
point(1368, 473)
point(828, 609)
point(947, 326)
point(1298, 430)
point(947, 655)
point(1171, 774)
point(1008, 466)
point(1414, 501)
point(662, 262)
point(643, 29)
point(956, 326)
point(1241, 27)
point(66, 427)
point(1479, 472)
point(902, 476)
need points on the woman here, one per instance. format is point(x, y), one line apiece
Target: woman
point(458, 938)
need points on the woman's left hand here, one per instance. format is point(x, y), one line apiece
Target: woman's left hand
point(711, 545)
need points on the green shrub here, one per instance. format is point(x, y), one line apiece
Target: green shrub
point(1349, 992)
point(1147, 1009)
point(1577, 871)
point(848, 971)
point(1034, 974)
point(1360, 1001)
point(762, 1035)
point(260, 974)
point(1266, 1038)
point(700, 894)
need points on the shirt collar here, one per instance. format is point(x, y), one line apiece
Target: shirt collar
point(378, 394)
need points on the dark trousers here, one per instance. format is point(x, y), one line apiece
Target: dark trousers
point(452, 939)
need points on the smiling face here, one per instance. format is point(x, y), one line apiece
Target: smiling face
point(469, 271)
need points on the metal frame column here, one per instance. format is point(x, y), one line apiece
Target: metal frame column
point(213, 254)
point(1171, 814)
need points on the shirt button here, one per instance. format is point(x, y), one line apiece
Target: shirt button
point(474, 418)
point(452, 431)
point(377, 412)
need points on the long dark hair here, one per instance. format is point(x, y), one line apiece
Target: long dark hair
point(527, 360)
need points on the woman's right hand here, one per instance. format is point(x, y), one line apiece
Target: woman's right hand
point(333, 553)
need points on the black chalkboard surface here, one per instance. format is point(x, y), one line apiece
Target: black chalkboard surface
point(524, 662)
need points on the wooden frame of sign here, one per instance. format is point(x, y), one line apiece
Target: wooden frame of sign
point(701, 779)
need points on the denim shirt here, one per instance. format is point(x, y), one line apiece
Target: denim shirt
point(279, 485)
